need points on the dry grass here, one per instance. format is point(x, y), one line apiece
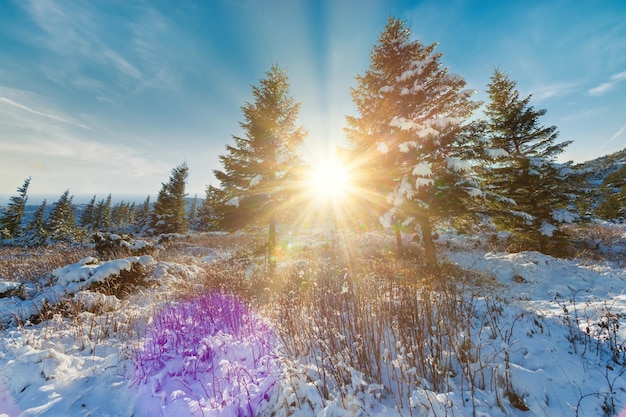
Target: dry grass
point(30, 265)
point(599, 242)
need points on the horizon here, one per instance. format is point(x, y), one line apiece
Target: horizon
point(103, 98)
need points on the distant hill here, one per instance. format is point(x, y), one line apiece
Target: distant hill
point(604, 181)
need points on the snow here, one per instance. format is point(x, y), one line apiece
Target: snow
point(497, 153)
point(458, 165)
point(59, 367)
point(256, 180)
point(564, 216)
point(382, 147)
point(233, 202)
point(423, 169)
point(547, 229)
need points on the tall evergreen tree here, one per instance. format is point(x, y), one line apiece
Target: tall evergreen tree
point(211, 210)
point(11, 216)
point(169, 215)
point(122, 215)
point(523, 168)
point(260, 169)
point(36, 231)
point(60, 224)
point(142, 216)
point(192, 215)
point(86, 217)
point(411, 137)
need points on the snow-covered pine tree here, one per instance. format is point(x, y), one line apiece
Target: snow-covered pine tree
point(11, 216)
point(142, 216)
point(192, 215)
point(122, 215)
point(86, 217)
point(411, 136)
point(211, 210)
point(36, 232)
point(522, 167)
point(259, 171)
point(60, 223)
point(169, 214)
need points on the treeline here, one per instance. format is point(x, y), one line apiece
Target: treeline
point(64, 223)
point(417, 153)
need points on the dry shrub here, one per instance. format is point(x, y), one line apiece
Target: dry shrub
point(393, 322)
point(599, 241)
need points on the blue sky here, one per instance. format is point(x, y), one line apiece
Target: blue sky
point(104, 97)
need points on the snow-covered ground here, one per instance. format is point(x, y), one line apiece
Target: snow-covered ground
point(562, 327)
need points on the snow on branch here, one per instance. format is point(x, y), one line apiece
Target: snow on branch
point(458, 165)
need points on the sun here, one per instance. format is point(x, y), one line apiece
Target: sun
point(328, 180)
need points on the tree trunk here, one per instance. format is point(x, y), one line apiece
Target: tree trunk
point(271, 242)
point(399, 248)
point(429, 245)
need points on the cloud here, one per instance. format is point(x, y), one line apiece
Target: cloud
point(609, 85)
point(616, 135)
point(542, 92)
point(42, 114)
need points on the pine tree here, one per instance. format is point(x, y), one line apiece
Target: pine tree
point(523, 168)
point(260, 169)
point(169, 215)
point(142, 216)
point(86, 217)
point(60, 224)
point(211, 210)
point(36, 231)
point(411, 138)
point(122, 215)
point(192, 216)
point(11, 216)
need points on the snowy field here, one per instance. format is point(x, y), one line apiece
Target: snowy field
point(546, 338)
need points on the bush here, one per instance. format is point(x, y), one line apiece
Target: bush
point(110, 245)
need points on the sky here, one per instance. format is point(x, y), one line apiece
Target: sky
point(107, 97)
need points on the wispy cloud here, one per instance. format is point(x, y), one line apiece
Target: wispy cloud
point(39, 113)
point(615, 136)
point(143, 50)
point(543, 92)
point(605, 87)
